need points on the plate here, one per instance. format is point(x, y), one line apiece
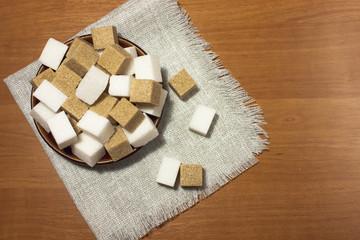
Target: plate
point(66, 152)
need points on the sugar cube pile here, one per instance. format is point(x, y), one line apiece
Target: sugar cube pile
point(91, 96)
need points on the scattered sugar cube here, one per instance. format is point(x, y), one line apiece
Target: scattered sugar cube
point(74, 124)
point(75, 107)
point(202, 119)
point(154, 110)
point(76, 42)
point(50, 95)
point(127, 115)
point(41, 113)
point(96, 125)
point(118, 146)
point(168, 171)
point(48, 74)
point(92, 85)
point(104, 36)
point(182, 83)
point(61, 129)
point(119, 85)
point(114, 59)
point(143, 134)
point(88, 149)
point(191, 175)
point(53, 53)
point(82, 59)
point(145, 91)
point(103, 105)
point(148, 67)
point(66, 80)
point(129, 70)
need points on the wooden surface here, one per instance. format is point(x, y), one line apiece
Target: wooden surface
point(299, 59)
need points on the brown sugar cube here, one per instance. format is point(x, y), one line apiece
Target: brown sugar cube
point(191, 175)
point(77, 42)
point(103, 105)
point(118, 146)
point(127, 115)
point(74, 124)
point(114, 59)
point(104, 36)
point(182, 83)
point(145, 91)
point(48, 74)
point(66, 80)
point(75, 107)
point(82, 59)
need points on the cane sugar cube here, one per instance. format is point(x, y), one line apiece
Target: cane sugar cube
point(53, 53)
point(148, 67)
point(103, 105)
point(127, 115)
point(143, 134)
point(92, 85)
point(66, 80)
point(114, 59)
point(52, 97)
point(119, 85)
point(145, 91)
point(74, 124)
point(104, 36)
point(202, 119)
point(96, 125)
point(88, 149)
point(154, 110)
point(41, 113)
point(75, 107)
point(182, 83)
point(191, 175)
point(61, 129)
point(48, 74)
point(82, 59)
point(118, 146)
point(168, 171)
point(77, 42)
point(129, 70)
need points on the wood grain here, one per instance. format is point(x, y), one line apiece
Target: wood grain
point(298, 59)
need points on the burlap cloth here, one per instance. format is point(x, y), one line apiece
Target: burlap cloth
point(123, 200)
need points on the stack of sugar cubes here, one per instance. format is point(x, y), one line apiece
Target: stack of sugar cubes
point(97, 98)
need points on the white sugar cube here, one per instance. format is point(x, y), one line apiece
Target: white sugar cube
point(130, 68)
point(143, 134)
point(96, 125)
point(155, 110)
point(119, 85)
point(53, 53)
point(168, 171)
point(147, 67)
point(88, 149)
point(92, 85)
point(41, 113)
point(48, 94)
point(202, 119)
point(62, 130)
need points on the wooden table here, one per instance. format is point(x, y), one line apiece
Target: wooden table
point(299, 59)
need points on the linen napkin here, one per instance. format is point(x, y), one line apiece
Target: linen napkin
point(122, 200)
